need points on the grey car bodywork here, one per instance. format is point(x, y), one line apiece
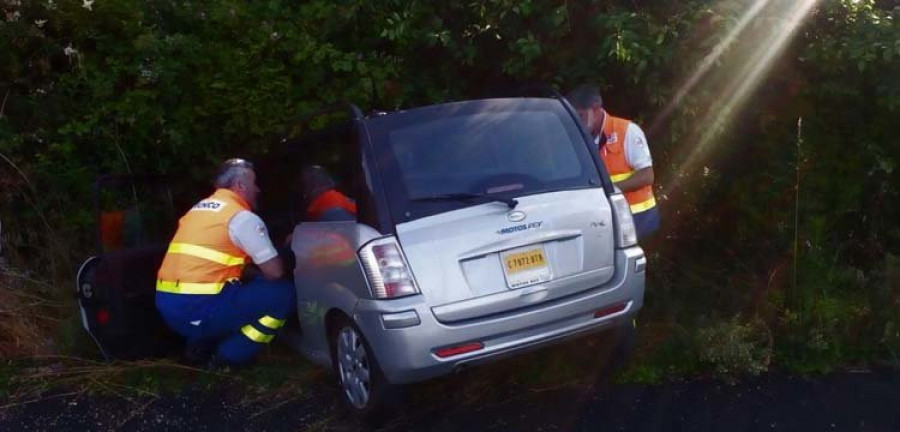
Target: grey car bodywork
point(455, 258)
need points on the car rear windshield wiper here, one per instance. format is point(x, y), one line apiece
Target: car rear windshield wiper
point(465, 196)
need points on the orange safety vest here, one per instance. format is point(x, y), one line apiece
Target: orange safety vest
point(201, 257)
point(613, 155)
point(329, 200)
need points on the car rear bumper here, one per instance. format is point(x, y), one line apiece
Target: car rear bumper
point(406, 351)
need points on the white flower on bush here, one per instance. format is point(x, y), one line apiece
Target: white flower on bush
point(87, 4)
point(69, 51)
point(51, 5)
point(40, 23)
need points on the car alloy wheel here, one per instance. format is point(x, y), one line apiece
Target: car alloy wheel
point(353, 367)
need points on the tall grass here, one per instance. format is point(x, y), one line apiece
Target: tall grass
point(36, 268)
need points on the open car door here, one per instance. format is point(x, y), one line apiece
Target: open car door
point(136, 218)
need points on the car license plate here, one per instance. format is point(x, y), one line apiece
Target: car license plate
point(525, 266)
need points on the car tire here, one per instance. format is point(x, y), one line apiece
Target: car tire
point(362, 387)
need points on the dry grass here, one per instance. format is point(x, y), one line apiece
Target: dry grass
point(131, 381)
point(28, 317)
point(138, 383)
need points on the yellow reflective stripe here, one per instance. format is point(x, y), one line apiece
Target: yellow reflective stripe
point(205, 253)
point(619, 177)
point(256, 335)
point(189, 287)
point(271, 323)
point(643, 206)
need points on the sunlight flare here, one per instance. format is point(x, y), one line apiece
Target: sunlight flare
point(744, 76)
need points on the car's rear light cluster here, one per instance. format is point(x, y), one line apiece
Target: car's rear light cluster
point(386, 268)
point(626, 235)
point(102, 316)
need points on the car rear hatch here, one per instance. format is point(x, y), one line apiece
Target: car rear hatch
point(497, 205)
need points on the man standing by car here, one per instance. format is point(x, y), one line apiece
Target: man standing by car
point(198, 291)
point(623, 148)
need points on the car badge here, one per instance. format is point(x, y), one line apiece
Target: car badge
point(516, 216)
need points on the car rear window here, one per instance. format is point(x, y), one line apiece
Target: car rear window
point(501, 148)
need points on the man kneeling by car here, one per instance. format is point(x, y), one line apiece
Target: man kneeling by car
point(198, 291)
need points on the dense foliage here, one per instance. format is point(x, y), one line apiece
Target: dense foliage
point(778, 232)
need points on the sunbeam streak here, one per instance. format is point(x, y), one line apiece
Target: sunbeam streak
point(709, 61)
point(750, 72)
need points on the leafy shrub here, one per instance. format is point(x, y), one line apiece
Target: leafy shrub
point(735, 347)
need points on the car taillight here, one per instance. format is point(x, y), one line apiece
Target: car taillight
point(626, 236)
point(386, 268)
point(102, 316)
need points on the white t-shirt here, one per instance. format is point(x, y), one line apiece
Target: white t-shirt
point(637, 152)
point(248, 232)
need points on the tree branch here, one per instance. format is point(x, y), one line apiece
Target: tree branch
point(3, 105)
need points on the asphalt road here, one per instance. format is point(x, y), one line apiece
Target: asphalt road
point(844, 401)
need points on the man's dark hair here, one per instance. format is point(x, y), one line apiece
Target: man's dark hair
point(315, 180)
point(585, 96)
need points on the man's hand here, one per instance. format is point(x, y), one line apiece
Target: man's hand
point(272, 269)
point(642, 177)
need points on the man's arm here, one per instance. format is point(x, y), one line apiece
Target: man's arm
point(637, 154)
point(272, 269)
point(642, 177)
point(248, 232)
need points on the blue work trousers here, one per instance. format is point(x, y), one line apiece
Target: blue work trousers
point(238, 322)
point(646, 222)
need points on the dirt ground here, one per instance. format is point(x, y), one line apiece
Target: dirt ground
point(843, 401)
